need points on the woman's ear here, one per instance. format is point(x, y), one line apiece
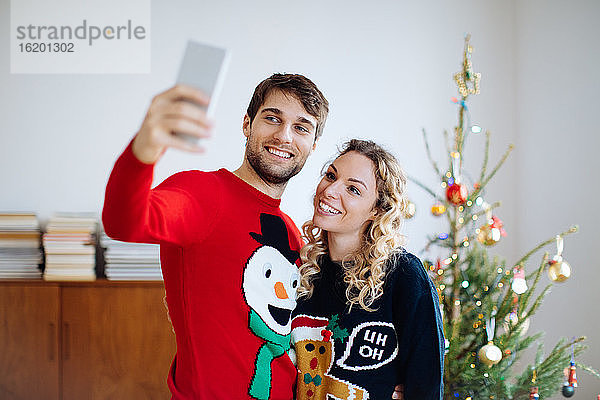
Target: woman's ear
point(374, 213)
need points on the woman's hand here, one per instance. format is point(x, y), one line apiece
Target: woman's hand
point(398, 392)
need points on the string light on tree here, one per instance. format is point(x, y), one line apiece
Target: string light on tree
point(473, 127)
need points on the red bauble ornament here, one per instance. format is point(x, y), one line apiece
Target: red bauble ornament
point(457, 194)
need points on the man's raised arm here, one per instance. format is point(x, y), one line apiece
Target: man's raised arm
point(134, 212)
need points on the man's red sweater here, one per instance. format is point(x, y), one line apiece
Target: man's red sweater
point(213, 230)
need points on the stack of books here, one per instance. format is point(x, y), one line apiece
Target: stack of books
point(70, 247)
point(20, 253)
point(130, 261)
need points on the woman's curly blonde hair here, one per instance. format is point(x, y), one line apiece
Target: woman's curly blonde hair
point(364, 270)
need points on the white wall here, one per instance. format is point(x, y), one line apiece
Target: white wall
point(557, 86)
point(386, 68)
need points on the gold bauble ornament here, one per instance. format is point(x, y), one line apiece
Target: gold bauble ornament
point(558, 270)
point(490, 354)
point(411, 210)
point(438, 209)
point(488, 235)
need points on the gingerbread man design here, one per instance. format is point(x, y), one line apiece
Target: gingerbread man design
point(313, 340)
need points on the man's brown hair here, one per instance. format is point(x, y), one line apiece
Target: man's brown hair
point(298, 86)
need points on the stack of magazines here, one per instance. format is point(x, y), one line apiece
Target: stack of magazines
point(70, 247)
point(130, 261)
point(20, 253)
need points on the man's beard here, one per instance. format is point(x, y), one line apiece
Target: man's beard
point(268, 172)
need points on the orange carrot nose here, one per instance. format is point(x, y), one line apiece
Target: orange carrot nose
point(280, 291)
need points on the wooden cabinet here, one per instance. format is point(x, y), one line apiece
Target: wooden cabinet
point(29, 345)
point(100, 340)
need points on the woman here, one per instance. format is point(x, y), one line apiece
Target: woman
point(368, 315)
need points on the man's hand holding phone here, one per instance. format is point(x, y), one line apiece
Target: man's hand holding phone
point(180, 109)
point(181, 115)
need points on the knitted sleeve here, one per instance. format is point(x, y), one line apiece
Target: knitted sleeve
point(421, 336)
point(179, 211)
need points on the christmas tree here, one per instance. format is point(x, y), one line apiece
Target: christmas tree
point(486, 302)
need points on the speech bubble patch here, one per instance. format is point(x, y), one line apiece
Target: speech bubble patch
point(371, 345)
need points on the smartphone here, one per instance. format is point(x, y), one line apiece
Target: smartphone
point(203, 67)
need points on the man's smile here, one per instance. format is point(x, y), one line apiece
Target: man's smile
point(279, 153)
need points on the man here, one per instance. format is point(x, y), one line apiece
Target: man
point(229, 255)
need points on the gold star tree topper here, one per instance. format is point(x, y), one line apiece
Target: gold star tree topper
point(467, 80)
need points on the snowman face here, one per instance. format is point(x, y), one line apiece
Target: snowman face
point(270, 283)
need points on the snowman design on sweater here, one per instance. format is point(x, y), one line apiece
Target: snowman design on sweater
point(269, 286)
